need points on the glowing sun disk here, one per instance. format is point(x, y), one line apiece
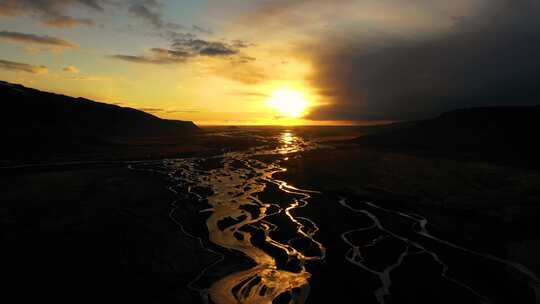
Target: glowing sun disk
point(290, 103)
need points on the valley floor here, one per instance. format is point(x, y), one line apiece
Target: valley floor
point(98, 234)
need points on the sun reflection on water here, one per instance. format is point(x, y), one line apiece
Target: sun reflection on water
point(236, 184)
point(287, 137)
point(290, 143)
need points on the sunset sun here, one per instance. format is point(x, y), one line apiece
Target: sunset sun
point(289, 103)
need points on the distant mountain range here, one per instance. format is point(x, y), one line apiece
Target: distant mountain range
point(502, 133)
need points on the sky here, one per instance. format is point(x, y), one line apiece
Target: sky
point(277, 62)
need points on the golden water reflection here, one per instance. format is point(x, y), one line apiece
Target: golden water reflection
point(290, 143)
point(235, 187)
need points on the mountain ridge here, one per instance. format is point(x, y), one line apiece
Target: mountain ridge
point(501, 133)
point(40, 114)
point(42, 124)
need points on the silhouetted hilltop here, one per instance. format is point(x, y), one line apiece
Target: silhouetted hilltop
point(36, 115)
point(506, 133)
point(40, 125)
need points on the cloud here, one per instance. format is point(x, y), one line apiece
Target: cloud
point(156, 56)
point(152, 110)
point(136, 59)
point(183, 111)
point(67, 21)
point(150, 11)
point(169, 111)
point(248, 74)
point(24, 67)
point(71, 69)
point(85, 78)
point(185, 47)
point(489, 57)
point(249, 94)
point(204, 47)
point(35, 39)
point(240, 44)
point(95, 4)
point(201, 30)
point(177, 54)
point(51, 12)
point(147, 11)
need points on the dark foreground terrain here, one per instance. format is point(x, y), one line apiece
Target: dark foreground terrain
point(428, 226)
point(95, 234)
point(491, 209)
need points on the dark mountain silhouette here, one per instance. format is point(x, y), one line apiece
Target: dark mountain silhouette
point(35, 120)
point(505, 133)
point(33, 113)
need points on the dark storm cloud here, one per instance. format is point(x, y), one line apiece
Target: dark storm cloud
point(491, 58)
point(35, 39)
point(24, 67)
point(51, 12)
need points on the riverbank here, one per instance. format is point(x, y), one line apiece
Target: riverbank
point(90, 235)
point(480, 206)
point(91, 232)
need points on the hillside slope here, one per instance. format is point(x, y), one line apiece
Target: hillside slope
point(30, 112)
point(38, 123)
point(507, 133)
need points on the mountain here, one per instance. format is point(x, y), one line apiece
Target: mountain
point(36, 114)
point(36, 120)
point(506, 134)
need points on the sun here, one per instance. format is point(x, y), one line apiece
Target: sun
point(289, 103)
